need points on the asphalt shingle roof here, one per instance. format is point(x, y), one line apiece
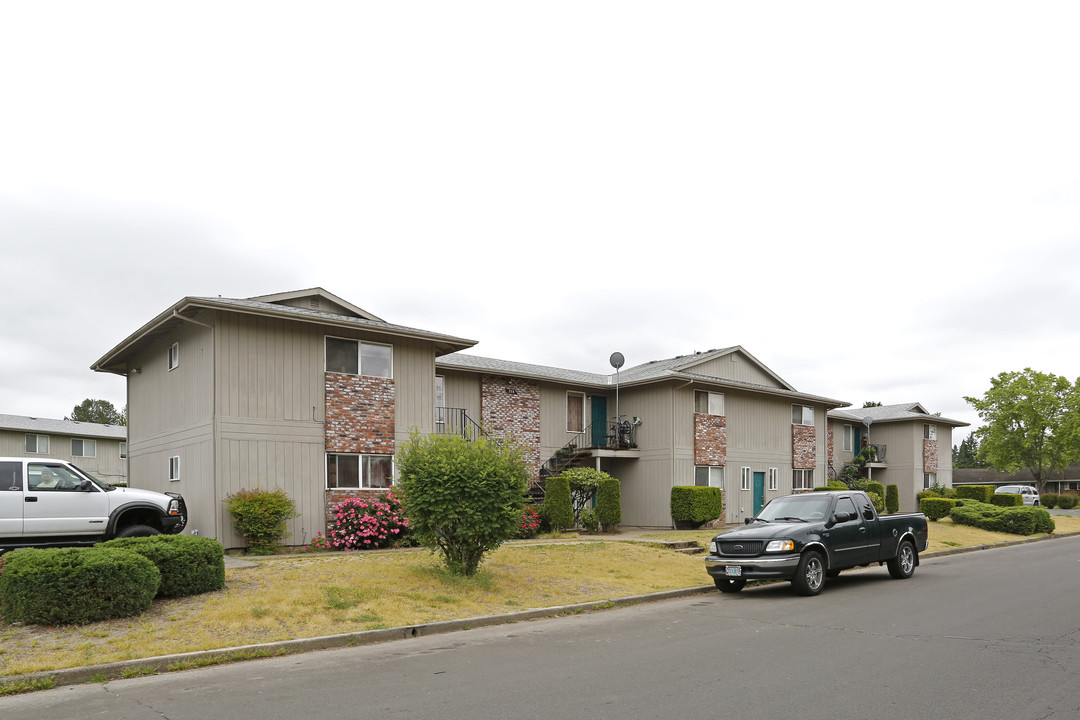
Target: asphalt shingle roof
point(46, 426)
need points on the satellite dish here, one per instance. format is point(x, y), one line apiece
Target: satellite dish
point(866, 421)
point(617, 360)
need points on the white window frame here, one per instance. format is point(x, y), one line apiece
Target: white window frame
point(803, 411)
point(929, 431)
point(174, 468)
point(714, 475)
point(714, 403)
point(849, 438)
point(39, 447)
point(747, 481)
point(928, 480)
point(802, 479)
point(83, 448)
point(174, 356)
point(360, 345)
point(123, 450)
point(774, 478)
point(364, 481)
point(576, 396)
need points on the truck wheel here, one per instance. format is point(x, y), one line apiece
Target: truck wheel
point(726, 585)
point(810, 574)
point(903, 565)
point(137, 531)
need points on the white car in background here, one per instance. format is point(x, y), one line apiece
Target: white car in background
point(1030, 494)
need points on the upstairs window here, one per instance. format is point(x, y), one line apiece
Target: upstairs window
point(123, 451)
point(174, 468)
point(802, 415)
point(38, 444)
point(575, 412)
point(849, 435)
point(352, 357)
point(929, 432)
point(174, 356)
point(708, 403)
point(80, 447)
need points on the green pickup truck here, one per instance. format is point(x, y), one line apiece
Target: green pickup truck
point(806, 538)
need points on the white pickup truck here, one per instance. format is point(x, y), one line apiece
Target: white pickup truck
point(52, 502)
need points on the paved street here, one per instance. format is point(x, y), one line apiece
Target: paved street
point(992, 634)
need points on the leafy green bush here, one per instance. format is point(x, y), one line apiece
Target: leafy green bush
point(892, 499)
point(609, 503)
point(1016, 520)
point(589, 521)
point(584, 483)
point(259, 517)
point(1067, 502)
point(982, 493)
point(879, 504)
point(923, 494)
point(188, 565)
point(558, 508)
point(936, 508)
point(1049, 500)
point(692, 504)
point(62, 586)
point(1006, 499)
point(876, 487)
point(462, 498)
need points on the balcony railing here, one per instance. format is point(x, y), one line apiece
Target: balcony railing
point(876, 454)
point(454, 421)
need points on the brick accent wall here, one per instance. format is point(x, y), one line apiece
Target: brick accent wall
point(510, 408)
point(710, 439)
point(929, 455)
point(829, 444)
point(803, 447)
point(359, 414)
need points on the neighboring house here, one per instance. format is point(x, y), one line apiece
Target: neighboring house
point(1059, 482)
point(912, 448)
point(309, 393)
point(101, 450)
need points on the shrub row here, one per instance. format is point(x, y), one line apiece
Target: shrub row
point(1014, 520)
point(1065, 502)
point(1006, 499)
point(935, 508)
point(982, 493)
point(63, 586)
point(693, 504)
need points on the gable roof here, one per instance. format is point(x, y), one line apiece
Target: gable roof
point(314, 298)
point(894, 413)
point(115, 361)
point(45, 426)
point(651, 372)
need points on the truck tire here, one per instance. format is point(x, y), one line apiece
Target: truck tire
point(902, 566)
point(137, 531)
point(810, 574)
point(728, 585)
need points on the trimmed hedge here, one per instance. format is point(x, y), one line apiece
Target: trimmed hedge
point(189, 565)
point(1014, 520)
point(558, 508)
point(879, 503)
point(892, 499)
point(1006, 499)
point(690, 503)
point(982, 493)
point(1067, 502)
point(75, 586)
point(1049, 500)
point(608, 503)
point(876, 487)
point(935, 508)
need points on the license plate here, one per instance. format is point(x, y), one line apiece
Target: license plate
point(733, 571)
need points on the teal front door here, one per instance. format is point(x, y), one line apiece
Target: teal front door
point(759, 492)
point(598, 420)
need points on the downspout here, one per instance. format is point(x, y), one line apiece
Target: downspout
point(213, 406)
point(674, 390)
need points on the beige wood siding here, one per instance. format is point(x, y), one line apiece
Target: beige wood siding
point(735, 366)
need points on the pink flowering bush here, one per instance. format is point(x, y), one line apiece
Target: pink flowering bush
point(368, 523)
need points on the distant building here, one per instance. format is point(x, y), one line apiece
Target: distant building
point(1059, 482)
point(101, 450)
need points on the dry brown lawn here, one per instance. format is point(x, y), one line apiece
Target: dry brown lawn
point(302, 596)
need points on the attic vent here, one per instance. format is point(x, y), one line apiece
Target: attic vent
point(314, 304)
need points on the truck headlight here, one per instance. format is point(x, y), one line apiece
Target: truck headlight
point(714, 547)
point(780, 546)
point(174, 507)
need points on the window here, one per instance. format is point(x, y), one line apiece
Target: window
point(52, 478)
point(774, 478)
point(352, 357)
point(174, 468)
point(929, 480)
point(849, 438)
point(845, 505)
point(174, 356)
point(709, 476)
point(359, 471)
point(802, 415)
point(81, 447)
point(802, 479)
point(575, 412)
point(747, 478)
point(929, 432)
point(123, 450)
point(708, 403)
point(37, 444)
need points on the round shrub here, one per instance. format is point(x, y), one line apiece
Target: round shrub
point(259, 517)
point(879, 504)
point(1067, 502)
point(189, 565)
point(1049, 500)
point(589, 520)
point(368, 523)
point(876, 487)
point(62, 586)
point(936, 508)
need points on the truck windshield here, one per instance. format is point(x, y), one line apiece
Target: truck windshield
point(100, 483)
point(805, 508)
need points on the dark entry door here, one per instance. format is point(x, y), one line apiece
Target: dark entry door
point(598, 419)
point(759, 492)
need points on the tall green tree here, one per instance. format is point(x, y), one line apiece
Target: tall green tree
point(1031, 420)
point(98, 411)
point(966, 454)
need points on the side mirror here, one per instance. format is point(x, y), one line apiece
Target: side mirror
point(840, 517)
point(86, 486)
point(747, 520)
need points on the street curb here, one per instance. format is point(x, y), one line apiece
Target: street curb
point(204, 658)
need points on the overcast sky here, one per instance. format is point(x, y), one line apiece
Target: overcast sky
point(880, 202)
